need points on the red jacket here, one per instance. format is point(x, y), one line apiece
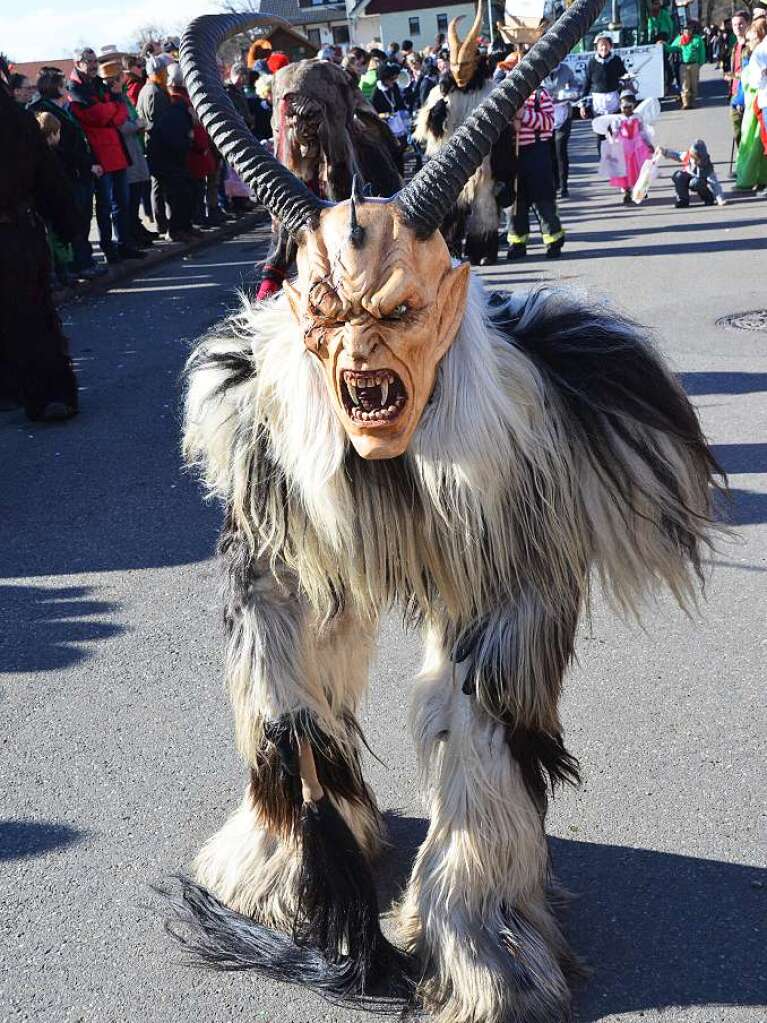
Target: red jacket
point(201, 160)
point(100, 115)
point(133, 88)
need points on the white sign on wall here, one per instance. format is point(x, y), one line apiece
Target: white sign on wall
point(525, 9)
point(644, 62)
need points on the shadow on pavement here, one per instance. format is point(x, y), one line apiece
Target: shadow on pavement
point(739, 458)
point(46, 629)
point(680, 248)
point(657, 929)
point(696, 384)
point(20, 839)
point(106, 491)
point(745, 508)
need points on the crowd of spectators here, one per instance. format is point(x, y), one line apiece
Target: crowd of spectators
point(119, 134)
point(129, 142)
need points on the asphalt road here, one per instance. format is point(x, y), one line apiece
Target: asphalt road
point(117, 753)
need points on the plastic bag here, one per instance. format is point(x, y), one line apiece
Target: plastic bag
point(235, 187)
point(399, 123)
point(647, 175)
point(612, 163)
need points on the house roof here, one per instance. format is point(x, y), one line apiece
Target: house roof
point(291, 10)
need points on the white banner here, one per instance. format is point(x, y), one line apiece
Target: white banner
point(644, 62)
point(527, 9)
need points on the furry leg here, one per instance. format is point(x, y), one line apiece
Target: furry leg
point(475, 909)
point(295, 856)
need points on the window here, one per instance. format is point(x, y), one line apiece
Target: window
point(414, 26)
point(340, 34)
point(442, 23)
point(314, 37)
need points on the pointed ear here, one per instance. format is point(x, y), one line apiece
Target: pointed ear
point(451, 302)
point(294, 300)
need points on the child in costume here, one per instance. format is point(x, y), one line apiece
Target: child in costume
point(636, 140)
point(696, 173)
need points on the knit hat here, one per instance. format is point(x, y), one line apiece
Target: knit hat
point(277, 60)
point(156, 62)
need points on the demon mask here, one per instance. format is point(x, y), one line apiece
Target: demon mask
point(464, 56)
point(379, 308)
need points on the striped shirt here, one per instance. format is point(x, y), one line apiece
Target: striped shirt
point(537, 120)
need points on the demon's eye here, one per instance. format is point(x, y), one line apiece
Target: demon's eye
point(399, 311)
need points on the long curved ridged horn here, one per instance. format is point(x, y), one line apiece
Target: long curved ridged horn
point(280, 191)
point(457, 48)
point(425, 202)
point(453, 40)
point(473, 36)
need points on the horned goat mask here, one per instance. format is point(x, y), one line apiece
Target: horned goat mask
point(464, 56)
point(376, 296)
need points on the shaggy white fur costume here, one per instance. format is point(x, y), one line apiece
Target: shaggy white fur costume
point(478, 194)
point(556, 448)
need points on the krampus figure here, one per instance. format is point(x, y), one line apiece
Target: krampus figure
point(384, 433)
point(325, 132)
point(471, 224)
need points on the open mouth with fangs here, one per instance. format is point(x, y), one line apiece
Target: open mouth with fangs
point(372, 396)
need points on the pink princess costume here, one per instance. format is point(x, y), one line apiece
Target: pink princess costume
point(637, 147)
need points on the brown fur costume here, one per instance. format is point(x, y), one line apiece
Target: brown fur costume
point(325, 132)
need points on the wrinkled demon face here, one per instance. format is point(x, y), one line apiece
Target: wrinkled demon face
point(379, 309)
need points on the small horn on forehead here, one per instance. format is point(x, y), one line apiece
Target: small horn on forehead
point(280, 191)
point(425, 202)
point(356, 230)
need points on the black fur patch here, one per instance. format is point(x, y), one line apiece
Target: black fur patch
point(436, 118)
point(494, 652)
point(338, 905)
point(275, 785)
point(608, 375)
point(221, 939)
point(543, 761)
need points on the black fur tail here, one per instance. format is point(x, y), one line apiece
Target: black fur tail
point(336, 948)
